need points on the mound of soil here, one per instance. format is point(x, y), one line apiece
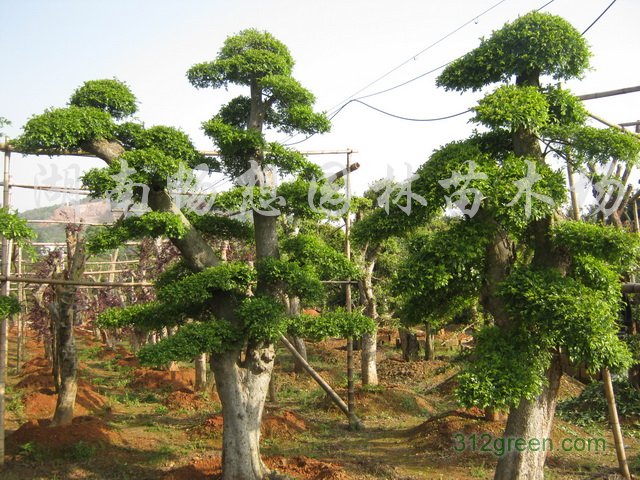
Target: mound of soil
point(392, 399)
point(282, 424)
point(187, 399)
point(302, 468)
point(91, 430)
point(395, 371)
point(438, 432)
point(41, 403)
point(306, 468)
point(129, 361)
point(569, 387)
point(147, 378)
point(115, 353)
point(36, 364)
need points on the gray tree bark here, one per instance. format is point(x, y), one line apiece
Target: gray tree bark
point(243, 389)
point(201, 372)
point(369, 346)
point(531, 419)
point(62, 316)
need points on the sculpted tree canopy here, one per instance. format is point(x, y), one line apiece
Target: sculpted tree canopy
point(511, 250)
point(230, 310)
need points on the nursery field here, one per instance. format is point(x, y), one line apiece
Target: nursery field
point(139, 423)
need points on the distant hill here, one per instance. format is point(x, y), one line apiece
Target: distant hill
point(91, 211)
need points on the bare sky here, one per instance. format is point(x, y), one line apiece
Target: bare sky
point(51, 46)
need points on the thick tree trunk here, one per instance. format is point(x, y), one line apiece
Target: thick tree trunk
point(62, 318)
point(298, 342)
point(429, 343)
point(369, 368)
point(369, 345)
point(243, 388)
point(409, 345)
point(201, 372)
point(66, 362)
point(532, 419)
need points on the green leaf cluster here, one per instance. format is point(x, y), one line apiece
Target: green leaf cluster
point(150, 224)
point(244, 58)
point(442, 273)
point(148, 316)
point(264, 318)
point(13, 227)
point(190, 341)
point(193, 294)
point(109, 95)
point(505, 368)
point(312, 250)
point(513, 107)
point(9, 305)
point(534, 44)
point(61, 130)
point(333, 324)
point(293, 278)
point(221, 227)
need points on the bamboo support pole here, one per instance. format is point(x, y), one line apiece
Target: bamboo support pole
point(4, 290)
point(76, 283)
point(615, 424)
point(320, 381)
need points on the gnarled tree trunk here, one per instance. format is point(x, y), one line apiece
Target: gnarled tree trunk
point(369, 346)
point(243, 388)
point(62, 318)
point(532, 419)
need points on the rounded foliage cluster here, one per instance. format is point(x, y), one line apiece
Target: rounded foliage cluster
point(110, 95)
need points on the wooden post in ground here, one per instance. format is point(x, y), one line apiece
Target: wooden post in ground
point(351, 397)
point(615, 424)
point(4, 290)
point(21, 340)
point(325, 386)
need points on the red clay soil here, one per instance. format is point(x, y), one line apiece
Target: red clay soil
point(91, 430)
point(282, 424)
point(302, 468)
point(40, 400)
point(115, 353)
point(187, 399)
point(147, 378)
point(42, 403)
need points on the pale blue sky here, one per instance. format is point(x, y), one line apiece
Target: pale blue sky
point(50, 47)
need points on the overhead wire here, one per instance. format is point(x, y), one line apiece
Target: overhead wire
point(348, 100)
point(599, 17)
point(414, 57)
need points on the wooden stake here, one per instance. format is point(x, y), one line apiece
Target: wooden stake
point(4, 290)
point(21, 342)
point(615, 424)
point(351, 396)
point(325, 386)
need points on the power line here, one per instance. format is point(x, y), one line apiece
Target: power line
point(339, 107)
point(441, 66)
point(413, 57)
point(599, 17)
point(436, 119)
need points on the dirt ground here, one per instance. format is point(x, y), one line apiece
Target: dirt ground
point(135, 422)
